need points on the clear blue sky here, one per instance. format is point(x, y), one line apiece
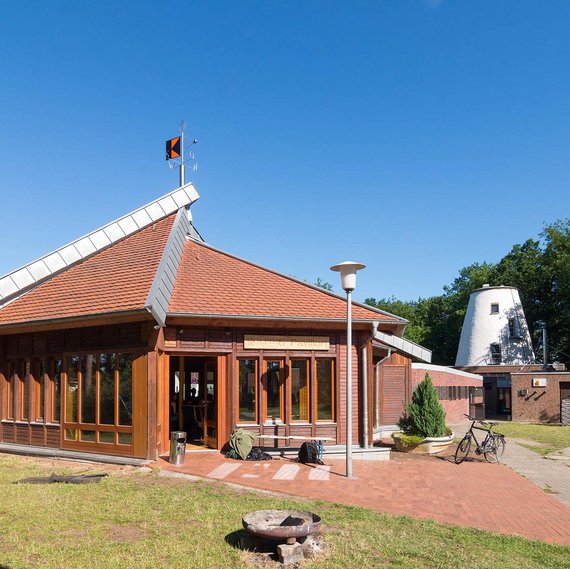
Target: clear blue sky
point(414, 136)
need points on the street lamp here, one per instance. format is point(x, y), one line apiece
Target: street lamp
point(347, 272)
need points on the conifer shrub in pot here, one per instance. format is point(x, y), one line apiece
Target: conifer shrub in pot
point(423, 428)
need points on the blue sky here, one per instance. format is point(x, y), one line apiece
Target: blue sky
point(416, 137)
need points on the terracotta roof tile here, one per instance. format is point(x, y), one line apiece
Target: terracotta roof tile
point(115, 279)
point(212, 282)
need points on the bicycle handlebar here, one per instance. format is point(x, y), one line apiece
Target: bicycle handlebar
point(479, 421)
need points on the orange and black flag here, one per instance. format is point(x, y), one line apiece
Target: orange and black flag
point(173, 148)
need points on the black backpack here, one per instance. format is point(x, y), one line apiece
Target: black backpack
point(309, 453)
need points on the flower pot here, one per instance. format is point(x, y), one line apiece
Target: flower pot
point(429, 445)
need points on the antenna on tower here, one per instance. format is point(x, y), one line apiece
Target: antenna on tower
point(175, 149)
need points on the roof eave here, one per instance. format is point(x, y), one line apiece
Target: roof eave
point(269, 318)
point(71, 320)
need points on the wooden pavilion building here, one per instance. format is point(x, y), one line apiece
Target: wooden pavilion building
point(140, 328)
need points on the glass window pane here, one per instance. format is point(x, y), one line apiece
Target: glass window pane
point(88, 388)
point(273, 387)
point(71, 393)
point(247, 380)
point(11, 387)
point(299, 390)
point(125, 389)
point(107, 389)
point(25, 393)
point(40, 391)
point(107, 438)
point(88, 436)
point(325, 390)
point(125, 438)
point(72, 434)
point(56, 391)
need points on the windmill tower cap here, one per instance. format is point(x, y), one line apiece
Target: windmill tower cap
point(487, 286)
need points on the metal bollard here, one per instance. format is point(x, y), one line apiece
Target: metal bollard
point(177, 447)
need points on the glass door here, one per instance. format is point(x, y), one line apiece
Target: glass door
point(211, 404)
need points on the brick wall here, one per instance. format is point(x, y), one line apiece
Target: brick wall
point(538, 404)
point(453, 388)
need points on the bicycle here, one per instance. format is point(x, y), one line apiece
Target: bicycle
point(492, 446)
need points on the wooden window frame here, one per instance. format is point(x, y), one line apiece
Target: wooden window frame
point(78, 427)
point(51, 400)
point(308, 374)
point(281, 418)
point(256, 391)
point(333, 391)
point(24, 379)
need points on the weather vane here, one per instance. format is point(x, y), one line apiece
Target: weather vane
point(175, 149)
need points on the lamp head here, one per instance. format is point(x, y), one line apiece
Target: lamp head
point(347, 271)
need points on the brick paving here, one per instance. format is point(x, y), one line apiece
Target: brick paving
point(473, 494)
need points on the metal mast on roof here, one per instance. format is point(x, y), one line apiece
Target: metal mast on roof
point(175, 149)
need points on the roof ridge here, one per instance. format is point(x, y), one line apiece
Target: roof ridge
point(399, 319)
point(28, 276)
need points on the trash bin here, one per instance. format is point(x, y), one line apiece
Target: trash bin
point(177, 447)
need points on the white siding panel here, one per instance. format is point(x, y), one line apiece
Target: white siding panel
point(114, 232)
point(70, 254)
point(85, 247)
point(142, 218)
point(7, 286)
point(22, 278)
point(100, 239)
point(154, 211)
point(39, 270)
point(54, 262)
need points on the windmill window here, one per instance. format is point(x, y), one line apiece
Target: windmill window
point(514, 328)
point(496, 356)
point(495, 308)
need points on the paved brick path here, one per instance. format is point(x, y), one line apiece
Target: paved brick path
point(473, 494)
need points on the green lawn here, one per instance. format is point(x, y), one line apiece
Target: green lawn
point(550, 437)
point(143, 521)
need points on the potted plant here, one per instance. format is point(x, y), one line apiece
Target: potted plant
point(423, 428)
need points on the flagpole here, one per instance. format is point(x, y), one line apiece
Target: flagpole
point(182, 125)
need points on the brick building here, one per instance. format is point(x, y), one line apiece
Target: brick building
point(541, 397)
point(460, 393)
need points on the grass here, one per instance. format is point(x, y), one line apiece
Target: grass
point(141, 520)
point(550, 437)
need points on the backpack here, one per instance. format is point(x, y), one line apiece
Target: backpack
point(309, 453)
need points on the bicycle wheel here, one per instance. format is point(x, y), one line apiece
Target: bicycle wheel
point(462, 449)
point(496, 448)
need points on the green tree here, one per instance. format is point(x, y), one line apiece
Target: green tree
point(424, 416)
point(323, 284)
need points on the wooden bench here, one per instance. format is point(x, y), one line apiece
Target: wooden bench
point(294, 438)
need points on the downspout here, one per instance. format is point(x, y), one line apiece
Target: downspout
point(375, 325)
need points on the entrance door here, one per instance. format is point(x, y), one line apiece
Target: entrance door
point(565, 402)
point(211, 406)
point(194, 391)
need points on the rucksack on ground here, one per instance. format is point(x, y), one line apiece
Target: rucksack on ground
point(309, 453)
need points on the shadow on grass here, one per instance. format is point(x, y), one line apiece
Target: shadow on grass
point(240, 539)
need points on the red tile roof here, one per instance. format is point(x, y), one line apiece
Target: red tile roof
point(213, 282)
point(115, 279)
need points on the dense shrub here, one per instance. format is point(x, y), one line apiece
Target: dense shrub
point(424, 416)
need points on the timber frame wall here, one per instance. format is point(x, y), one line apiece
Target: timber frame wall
point(153, 349)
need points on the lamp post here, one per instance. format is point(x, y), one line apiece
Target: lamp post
point(347, 271)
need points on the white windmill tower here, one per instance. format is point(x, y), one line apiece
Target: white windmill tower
point(494, 331)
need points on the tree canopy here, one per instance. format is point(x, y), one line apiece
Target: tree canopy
point(539, 269)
